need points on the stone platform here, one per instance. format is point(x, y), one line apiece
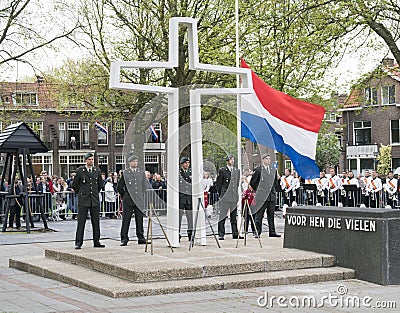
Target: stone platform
point(128, 271)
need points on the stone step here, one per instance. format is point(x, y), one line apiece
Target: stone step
point(132, 264)
point(116, 287)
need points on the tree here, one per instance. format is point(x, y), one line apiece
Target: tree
point(24, 28)
point(291, 44)
point(328, 150)
point(384, 160)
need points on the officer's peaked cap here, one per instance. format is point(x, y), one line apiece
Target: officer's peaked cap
point(88, 155)
point(132, 158)
point(229, 156)
point(184, 160)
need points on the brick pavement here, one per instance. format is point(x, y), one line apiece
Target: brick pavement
point(22, 292)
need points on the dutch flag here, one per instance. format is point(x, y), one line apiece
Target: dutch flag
point(101, 127)
point(278, 121)
point(153, 132)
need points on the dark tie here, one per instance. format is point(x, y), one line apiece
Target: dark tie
point(268, 170)
point(90, 170)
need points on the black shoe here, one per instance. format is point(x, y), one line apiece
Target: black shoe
point(123, 244)
point(274, 235)
point(141, 241)
point(238, 237)
point(221, 238)
point(77, 247)
point(98, 245)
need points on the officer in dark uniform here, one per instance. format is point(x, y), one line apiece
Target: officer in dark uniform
point(227, 186)
point(87, 185)
point(131, 186)
point(185, 195)
point(264, 182)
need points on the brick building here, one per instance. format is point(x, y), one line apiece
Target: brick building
point(371, 117)
point(68, 133)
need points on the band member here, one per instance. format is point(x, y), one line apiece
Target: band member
point(364, 192)
point(351, 196)
point(296, 188)
point(287, 186)
point(322, 189)
point(87, 184)
point(334, 183)
point(374, 187)
point(185, 196)
point(265, 182)
point(390, 188)
point(132, 186)
point(228, 189)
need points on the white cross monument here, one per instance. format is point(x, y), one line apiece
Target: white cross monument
point(173, 117)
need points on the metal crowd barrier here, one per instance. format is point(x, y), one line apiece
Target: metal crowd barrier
point(63, 205)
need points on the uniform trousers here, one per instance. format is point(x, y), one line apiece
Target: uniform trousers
point(95, 219)
point(15, 212)
point(225, 206)
point(126, 221)
point(270, 207)
point(187, 208)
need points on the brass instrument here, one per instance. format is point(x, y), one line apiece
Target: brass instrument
point(287, 194)
point(373, 196)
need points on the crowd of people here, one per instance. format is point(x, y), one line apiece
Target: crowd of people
point(367, 189)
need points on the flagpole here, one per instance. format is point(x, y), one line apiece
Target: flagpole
point(238, 110)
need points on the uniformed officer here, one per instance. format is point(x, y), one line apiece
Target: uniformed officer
point(228, 189)
point(185, 195)
point(131, 186)
point(265, 182)
point(87, 185)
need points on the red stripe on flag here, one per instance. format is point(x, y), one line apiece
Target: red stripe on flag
point(290, 110)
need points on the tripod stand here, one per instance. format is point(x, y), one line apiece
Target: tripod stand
point(245, 211)
point(150, 229)
point(200, 204)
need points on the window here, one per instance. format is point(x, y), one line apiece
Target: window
point(154, 133)
point(61, 134)
point(362, 133)
point(388, 95)
point(119, 159)
point(366, 164)
point(85, 130)
point(395, 163)
point(37, 127)
point(288, 165)
point(371, 96)
point(330, 117)
point(394, 131)
point(256, 150)
point(151, 159)
point(102, 138)
point(25, 98)
point(103, 159)
point(119, 133)
point(340, 140)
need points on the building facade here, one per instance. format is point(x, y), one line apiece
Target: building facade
point(371, 117)
point(70, 134)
